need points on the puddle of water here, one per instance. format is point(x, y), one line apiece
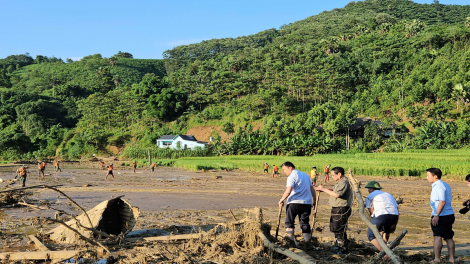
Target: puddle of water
point(182, 178)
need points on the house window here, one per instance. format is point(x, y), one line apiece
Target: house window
point(185, 146)
point(166, 143)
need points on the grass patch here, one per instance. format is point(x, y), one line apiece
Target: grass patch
point(455, 163)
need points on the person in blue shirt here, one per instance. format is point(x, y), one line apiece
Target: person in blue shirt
point(299, 197)
point(442, 216)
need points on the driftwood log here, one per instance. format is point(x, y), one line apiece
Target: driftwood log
point(366, 220)
point(43, 255)
point(38, 244)
point(392, 245)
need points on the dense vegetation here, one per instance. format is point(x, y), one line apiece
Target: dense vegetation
point(303, 84)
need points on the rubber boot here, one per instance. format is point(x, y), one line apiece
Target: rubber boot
point(307, 237)
point(290, 233)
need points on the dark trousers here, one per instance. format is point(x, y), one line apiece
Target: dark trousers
point(303, 211)
point(339, 222)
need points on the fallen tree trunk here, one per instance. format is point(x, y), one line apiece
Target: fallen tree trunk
point(44, 255)
point(283, 251)
point(394, 244)
point(366, 220)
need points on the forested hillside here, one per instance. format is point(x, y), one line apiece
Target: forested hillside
point(403, 63)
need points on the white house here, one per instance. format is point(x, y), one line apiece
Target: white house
point(185, 142)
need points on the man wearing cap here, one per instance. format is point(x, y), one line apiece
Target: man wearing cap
point(442, 216)
point(299, 197)
point(383, 209)
point(341, 197)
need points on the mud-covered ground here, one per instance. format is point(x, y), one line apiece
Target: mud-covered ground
point(177, 200)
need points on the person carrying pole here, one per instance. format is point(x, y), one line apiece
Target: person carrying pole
point(383, 209)
point(266, 168)
point(341, 197)
point(275, 171)
point(56, 166)
point(299, 197)
point(135, 165)
point(41, 170)
point(313, 175)
point(327, 173)
point(153, 166)
point(110, 171)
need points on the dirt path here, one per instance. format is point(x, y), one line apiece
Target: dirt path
point(171, 197)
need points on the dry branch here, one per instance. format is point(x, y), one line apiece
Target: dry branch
point(30, 187)
point(394, 244)
point(72, 201)
point(366, 220)
point(96, 243)
point(283, 251)
point(234, 218)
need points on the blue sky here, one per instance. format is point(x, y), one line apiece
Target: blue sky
point(145, 28)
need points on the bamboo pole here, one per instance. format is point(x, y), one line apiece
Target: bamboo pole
point(314, 214)
point(366, 220)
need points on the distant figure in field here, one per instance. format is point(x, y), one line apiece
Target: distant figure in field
point(56, 166)
point(102, 165)
point(153, 166)
point(22, 172)
point(275, 171)
point(327, 173)
point(313, 175)
point(44, 165)
point(41, 168)
point(110, 171)
point(135, 165)
point(266, 168)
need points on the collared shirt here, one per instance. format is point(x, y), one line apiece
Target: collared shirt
point(300, 183)
point(382, 202)
point(441, 192)
point(343, 189)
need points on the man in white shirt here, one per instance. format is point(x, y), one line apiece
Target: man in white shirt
point(442, 215)
point(300, 197)
point(383, 209)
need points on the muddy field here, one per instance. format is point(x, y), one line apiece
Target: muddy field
point(177, 201)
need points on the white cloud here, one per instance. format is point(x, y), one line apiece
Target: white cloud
point(183, 42)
